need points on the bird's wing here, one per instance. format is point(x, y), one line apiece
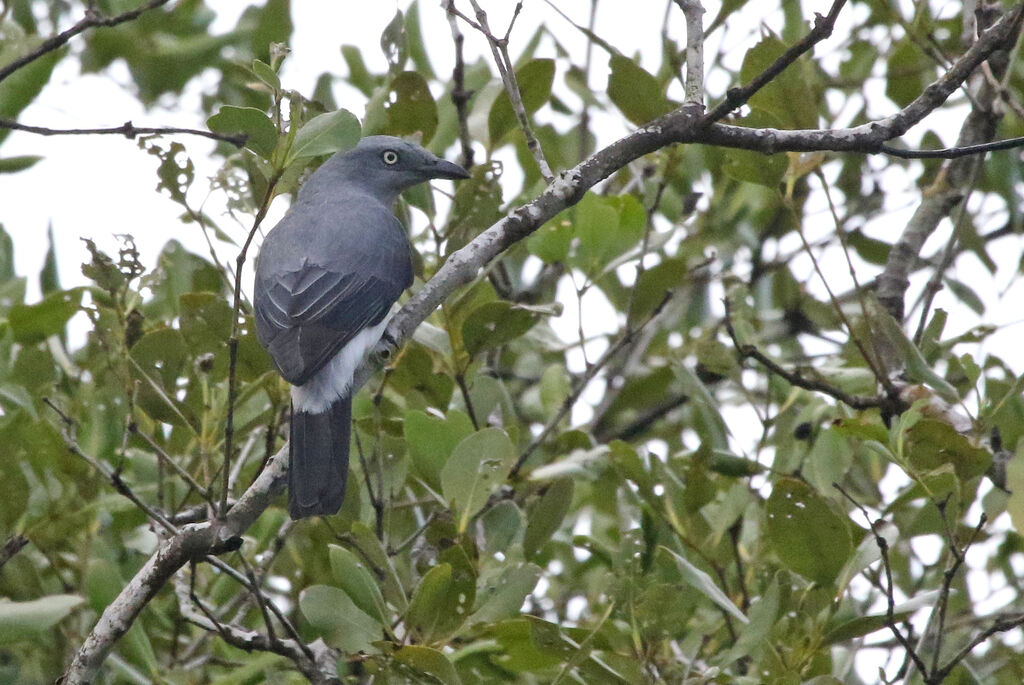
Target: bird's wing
point(309, 308)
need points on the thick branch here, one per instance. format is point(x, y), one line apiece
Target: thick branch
point(194, 541)
point(679, 126)
point(693, 11)
point(953, 178)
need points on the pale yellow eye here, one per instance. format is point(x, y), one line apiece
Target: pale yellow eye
point(390, 157)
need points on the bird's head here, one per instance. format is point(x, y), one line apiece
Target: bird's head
point(388, 165)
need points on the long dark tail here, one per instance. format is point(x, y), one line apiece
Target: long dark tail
point(319, 460)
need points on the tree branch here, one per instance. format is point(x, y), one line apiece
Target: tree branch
point(678, 126)
point(194, 541)
point(693, 11)
point(91, 19)
point(127, 129)
point(316, 661)
point(13, 545)
point(953, 178)
point(499, 49)
point(735, 97)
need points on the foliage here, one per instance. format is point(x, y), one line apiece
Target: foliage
point(727, 474)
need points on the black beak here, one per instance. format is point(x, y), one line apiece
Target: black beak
point(447, 170)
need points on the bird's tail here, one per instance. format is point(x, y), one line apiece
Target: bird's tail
point(318, 446)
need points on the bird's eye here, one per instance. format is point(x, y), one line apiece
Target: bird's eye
point(390, 157)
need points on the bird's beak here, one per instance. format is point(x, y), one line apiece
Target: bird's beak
point(445, 169)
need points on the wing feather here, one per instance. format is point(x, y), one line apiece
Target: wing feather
point(307, 308)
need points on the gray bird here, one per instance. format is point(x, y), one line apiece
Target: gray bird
point(326, 279)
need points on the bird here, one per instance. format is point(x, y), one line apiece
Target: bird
point(327, 276)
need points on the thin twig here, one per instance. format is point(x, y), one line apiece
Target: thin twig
point(735, 97)
point(953, 152)
point(797, 379)
point(112, 476)
point(499, 50)
point(460, 96)
point(127, 129)
point(890, 611)
point(165, 458)
point(959, 557)
point(405, 544)
point(581, 384)
point(229, 423)
point(242, 580)
point(14, 544)
point(91, 19)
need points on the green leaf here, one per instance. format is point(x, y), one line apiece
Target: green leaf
point(807, 535)
point(606, 227)
point(432, 439)
point(16, 397)
point(763, 615)
point(476, 205)
point(477, 468)
point(502, 596)
point(49, 277)
point(338, 619)
point(637, 94)
point(704, 584)
point(369, 546)
point(931, 443)
point(433, 604)
point(865, 625)
point(551, 242)
point(6, 256)
point(430, 662)
point(23, 85)
point(392, 43)
point(555, 388)
point(1015, 484)
point(755, 167)
point(273, 26)
point(410, 107)
point(908, 72)
point(254, 123)
point(546, 515)
point(12, 165)
point(358, 75)
point(205, 321)
point(501, 523)
point(654, 283)
point(917, 367)
point(352, 576)
point(35, 322)
point(798, 83)
point(415, 42)
point(495, 323)
point(161, 356)
point(26, 620)
point(535, 79)
point(264, 72)
point(326, 134)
